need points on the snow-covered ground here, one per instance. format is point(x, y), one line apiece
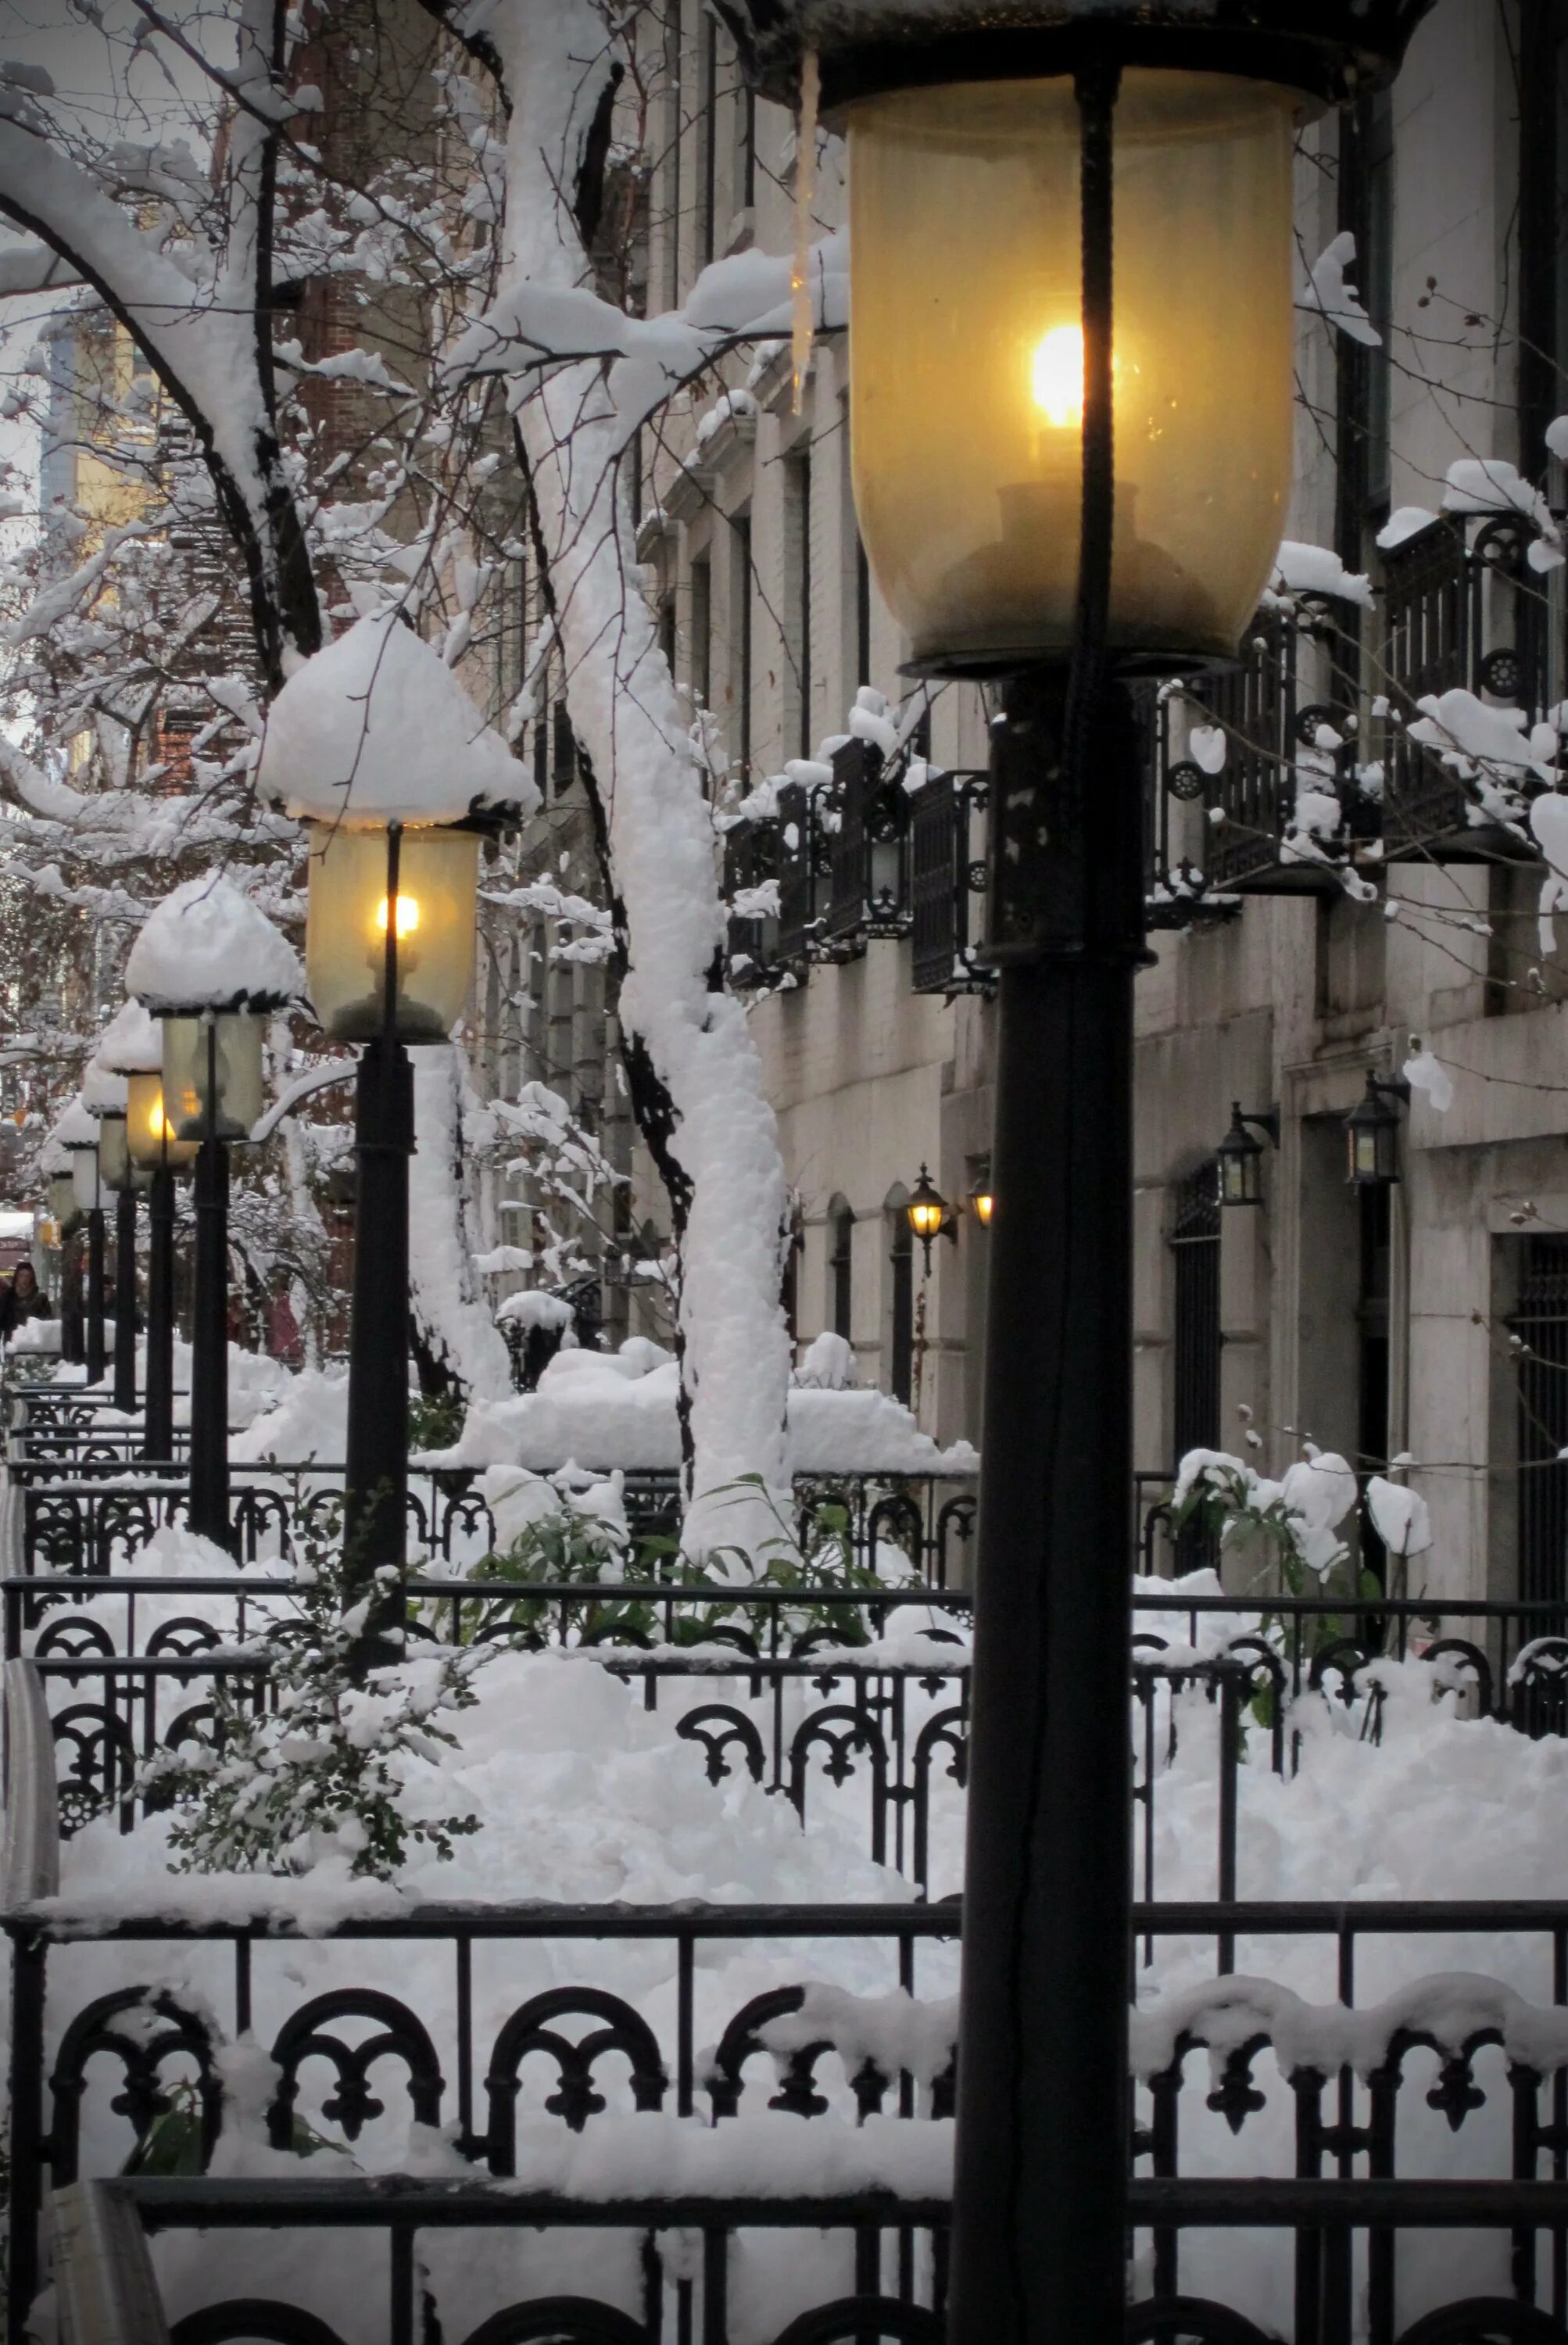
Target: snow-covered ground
point(585, 1796)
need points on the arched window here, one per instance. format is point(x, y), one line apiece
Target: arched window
point(898, 1317)
point(840, 1267)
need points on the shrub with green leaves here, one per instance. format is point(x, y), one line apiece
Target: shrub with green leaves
point(321, 1769)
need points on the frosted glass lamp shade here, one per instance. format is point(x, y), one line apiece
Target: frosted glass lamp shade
point(967, 358)
point(85, 1178)
point(148, 1131)
point(212, 1069)
point(116, 1170)
point(62, 1201)
point(346, 925)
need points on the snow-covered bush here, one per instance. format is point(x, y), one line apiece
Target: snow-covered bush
point(319, 1773)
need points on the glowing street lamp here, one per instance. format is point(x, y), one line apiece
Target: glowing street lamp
point(374, 744)
point(211, 968)
point(131, 1047)
point(930, 1215)
point(1058, 485)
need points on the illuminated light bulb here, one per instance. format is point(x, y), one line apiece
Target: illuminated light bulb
point(158, 1123)
point(407, 915)
point(925, 1220)
point(1057, 377)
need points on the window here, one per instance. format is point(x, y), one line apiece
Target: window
point(901, 1299)
point(741, 634)
point(1195, 1242)
point(1541, 1323)
point(796, 728)
point(841, 1266)
point(706, 102)
point(1372, 1343)
point(1367, 211)
point(672, 129)
point(702, 630)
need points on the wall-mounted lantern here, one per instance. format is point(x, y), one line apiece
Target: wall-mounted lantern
point(1372, 1133)
point(1241, 1157)
point(982, 1200)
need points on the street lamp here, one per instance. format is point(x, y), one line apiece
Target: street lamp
point(376, 746)
point(151, 1137)
point(123, 1051)
point(54, 1162)
point(1057, 485)
point(1372, 1133)
point(78, 1130)
point(1241, 1157)
point(211, 966)
point(983, 1199)
point(930, 1215)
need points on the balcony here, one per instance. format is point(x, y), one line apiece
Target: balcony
point(947, 884)
point(1253, 776)
point(868, 820)
point(1461, 610)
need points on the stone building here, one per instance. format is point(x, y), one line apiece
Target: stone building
point(1324, 887)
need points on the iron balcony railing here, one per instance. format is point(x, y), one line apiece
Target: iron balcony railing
point(1461, 609)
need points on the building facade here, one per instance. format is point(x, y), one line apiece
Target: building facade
point(1330, 891)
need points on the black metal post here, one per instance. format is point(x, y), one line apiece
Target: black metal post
point(210, 1347)
point(158, 1428)
point(1043, 2137)
point(125, 1300)
point(375, 1516)
point(95, 1348)
point(71, 1348)
point(26, 2193)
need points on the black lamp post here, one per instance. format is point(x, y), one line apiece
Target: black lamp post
point(78, 1130)
point(152, 1144)
point(1372, 1133)
point(56, 1167)
point(209, 965)
point(1094, 491)
point(375, 745)
point(930, 1215)
point(129, 1047)
point(1241, 1157)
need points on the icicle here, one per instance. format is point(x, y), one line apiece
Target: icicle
point(804, 193)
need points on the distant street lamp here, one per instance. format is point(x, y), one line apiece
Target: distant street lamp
point(1059, 484)
point(375, 745)
point(55, 1166)
point(982, 1200)
point(78, 1130)
point(211, 968)
point(1241, 1157)
point(153, 1144)
point(930, 1215)
point(128, 1048)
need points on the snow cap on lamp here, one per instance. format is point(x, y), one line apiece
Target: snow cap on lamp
point(1331, 50)
point(75, 1128)
point(377, 729)
point(102, 1088)
point(206, 947)
point(131, 1043)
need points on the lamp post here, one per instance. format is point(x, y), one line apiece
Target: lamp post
point(375, 745)
point(128, 1047)
point(1092, 492)
point(78, 1130)
point(210, 966)
point(152, 1144)
point(930, 1215)
point(55, 1166)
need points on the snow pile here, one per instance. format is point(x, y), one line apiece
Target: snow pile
point(207, 946)
point(377, 728)
point(1318, 570)
point(1327, 291)
point(308, 1419)
point(619, 1409)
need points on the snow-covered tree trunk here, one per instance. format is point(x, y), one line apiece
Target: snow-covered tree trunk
point(730, 1196)
point(456, 1324)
